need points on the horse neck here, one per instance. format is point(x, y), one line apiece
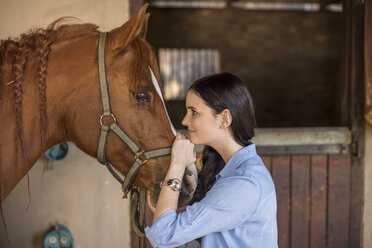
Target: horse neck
point(65, 87)
point(13, 165)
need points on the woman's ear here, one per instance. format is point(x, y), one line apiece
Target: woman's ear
point(226, 118)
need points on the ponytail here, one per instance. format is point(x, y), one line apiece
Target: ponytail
point(212, 165)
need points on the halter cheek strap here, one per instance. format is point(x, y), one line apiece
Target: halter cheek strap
point(140, 157)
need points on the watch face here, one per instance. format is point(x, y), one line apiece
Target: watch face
point(175, 184)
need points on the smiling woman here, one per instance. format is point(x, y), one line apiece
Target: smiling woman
point(235, 201)
point(215, 95)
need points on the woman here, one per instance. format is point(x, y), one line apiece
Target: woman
point(235, 201)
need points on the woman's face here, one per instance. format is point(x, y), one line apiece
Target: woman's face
point(202, 122)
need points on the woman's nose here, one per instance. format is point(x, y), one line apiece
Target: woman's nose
point(186, 120)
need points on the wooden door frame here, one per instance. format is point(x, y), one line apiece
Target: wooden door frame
point(353, 109)
point(368, 60)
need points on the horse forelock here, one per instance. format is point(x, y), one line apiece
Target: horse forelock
point(143, 63)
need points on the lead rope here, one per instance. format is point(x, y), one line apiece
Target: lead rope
point(138, 206)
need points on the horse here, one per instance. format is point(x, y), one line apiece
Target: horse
point(50, 93)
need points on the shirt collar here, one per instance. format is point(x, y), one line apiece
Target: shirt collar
point(237, 159)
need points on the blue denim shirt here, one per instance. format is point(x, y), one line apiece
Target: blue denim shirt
point(238, 211)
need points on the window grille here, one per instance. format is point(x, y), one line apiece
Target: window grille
point(179, 68)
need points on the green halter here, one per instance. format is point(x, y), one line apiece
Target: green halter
point(138, 196)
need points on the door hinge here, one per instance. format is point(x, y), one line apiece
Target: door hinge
point(354, 149)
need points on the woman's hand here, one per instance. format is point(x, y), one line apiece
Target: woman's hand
point(182, 151)
point(182, 155)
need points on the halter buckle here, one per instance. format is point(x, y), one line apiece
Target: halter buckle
point(138, 154)
point(101, 118)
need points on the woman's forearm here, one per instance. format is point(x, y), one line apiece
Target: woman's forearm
point(182, 155)
point(168, 198)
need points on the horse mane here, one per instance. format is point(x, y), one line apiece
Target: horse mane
point(34, 45)
point(14, 54)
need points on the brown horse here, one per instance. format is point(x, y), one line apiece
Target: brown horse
point(49, 93)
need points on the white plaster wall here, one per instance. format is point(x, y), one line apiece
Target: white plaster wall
point(367, 207)
point(78, 192)
point(18, 16)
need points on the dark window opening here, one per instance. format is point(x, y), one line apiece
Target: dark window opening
point(291, 61)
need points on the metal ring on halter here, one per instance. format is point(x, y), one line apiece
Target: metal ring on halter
point(101, 118)
point(138, 154)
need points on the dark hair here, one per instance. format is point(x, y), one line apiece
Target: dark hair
point(219, 92)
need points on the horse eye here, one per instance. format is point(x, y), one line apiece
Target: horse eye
point(142, 97)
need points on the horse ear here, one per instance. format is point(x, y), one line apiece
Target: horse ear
point(122, 36)
point(144, 26)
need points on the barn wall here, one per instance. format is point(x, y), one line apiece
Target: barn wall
point(19, 16)
point(367, 214)
point(78, 192)
point(367, 207)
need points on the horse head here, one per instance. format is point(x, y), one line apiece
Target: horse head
point(57, 70)
point(135, 98)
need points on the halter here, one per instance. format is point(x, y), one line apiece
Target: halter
point(140, 156)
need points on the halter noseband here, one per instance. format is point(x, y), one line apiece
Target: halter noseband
point(127, 183)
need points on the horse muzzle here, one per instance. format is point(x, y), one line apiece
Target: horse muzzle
point(189, 184)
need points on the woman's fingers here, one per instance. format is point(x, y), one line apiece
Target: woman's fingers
point(183, 151)
point(180, 136)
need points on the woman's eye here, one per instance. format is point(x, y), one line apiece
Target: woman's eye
point(194, 112)
point(142, 97)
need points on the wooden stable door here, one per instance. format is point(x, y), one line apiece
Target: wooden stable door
point(315, 201)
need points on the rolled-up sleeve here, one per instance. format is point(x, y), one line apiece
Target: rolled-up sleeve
point(229, 203)
point(167, 230)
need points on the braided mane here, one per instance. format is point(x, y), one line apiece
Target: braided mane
point(15, 53)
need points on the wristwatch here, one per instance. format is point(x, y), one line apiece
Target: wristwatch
point(174, 183)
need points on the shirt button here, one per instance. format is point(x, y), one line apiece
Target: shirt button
point(190, 224)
